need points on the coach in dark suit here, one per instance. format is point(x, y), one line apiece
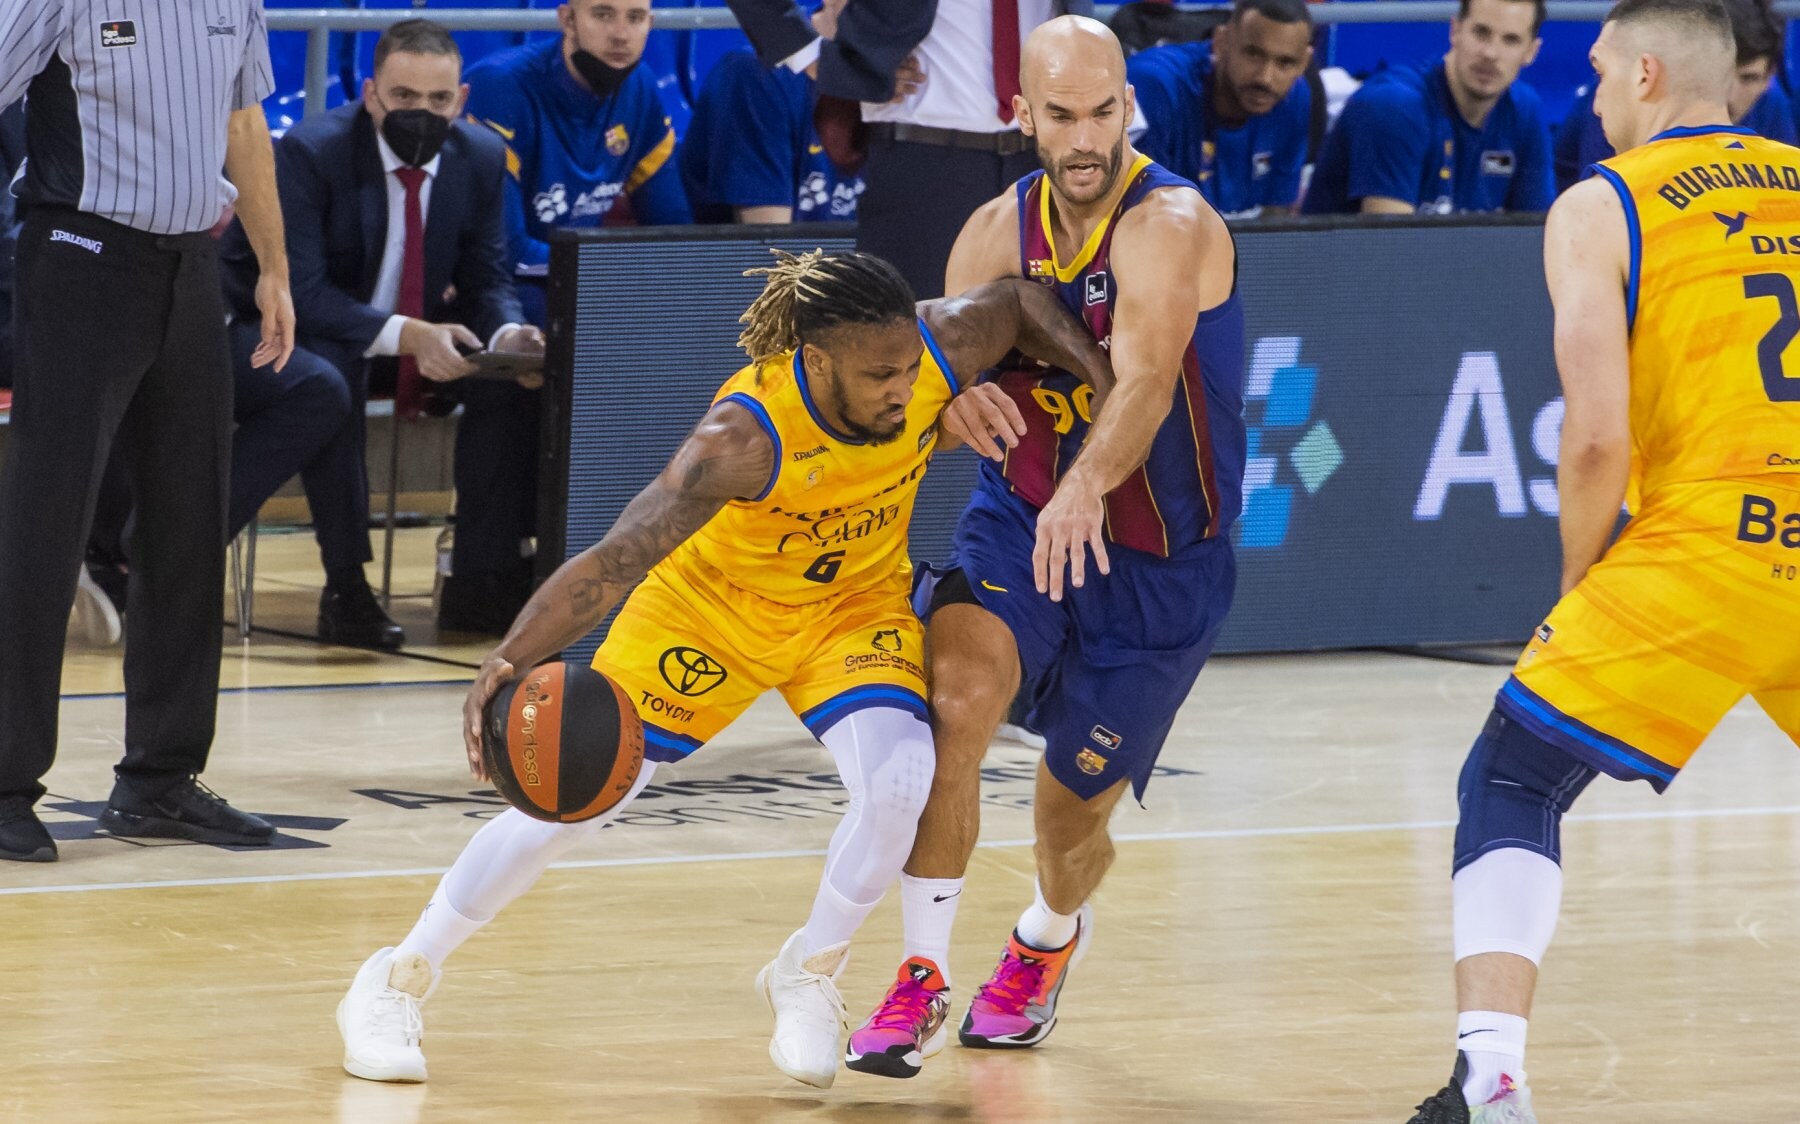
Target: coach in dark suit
point(857, 53)
point(397, 248)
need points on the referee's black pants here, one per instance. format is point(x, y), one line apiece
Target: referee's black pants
point(916, 198)
point(120, 334)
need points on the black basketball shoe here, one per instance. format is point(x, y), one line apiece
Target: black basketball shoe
point(186, 809)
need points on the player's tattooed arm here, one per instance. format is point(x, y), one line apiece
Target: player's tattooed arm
point(728, 456)
point(978, 328)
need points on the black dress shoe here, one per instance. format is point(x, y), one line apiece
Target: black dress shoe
point(350, 615)
point(484, 602)
point(22, 837)
point(184, 810)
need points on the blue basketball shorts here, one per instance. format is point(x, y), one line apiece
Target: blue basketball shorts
point(1107, 667)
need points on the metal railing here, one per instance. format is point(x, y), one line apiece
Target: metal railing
point(318, 23)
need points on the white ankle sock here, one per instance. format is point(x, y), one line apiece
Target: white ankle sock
point(1042, 927)
point(1495, 1045)
point(928, 912)
point(834, 919)
point(439, 931)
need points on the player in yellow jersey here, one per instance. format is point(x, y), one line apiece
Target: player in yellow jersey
point(1673, 271)
point(769, 555)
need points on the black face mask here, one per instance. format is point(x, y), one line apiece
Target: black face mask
point(415, 135)
point(604, 80)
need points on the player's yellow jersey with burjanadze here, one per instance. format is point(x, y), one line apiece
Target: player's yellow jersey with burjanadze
point(1714, 221)
point(834, 514)
point(1698, 602)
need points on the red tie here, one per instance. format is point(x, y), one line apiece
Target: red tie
point(409, 387)
point(1006, 55)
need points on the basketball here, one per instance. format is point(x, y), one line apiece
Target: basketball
point(562, 743)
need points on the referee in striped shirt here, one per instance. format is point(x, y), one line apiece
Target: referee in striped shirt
point(132, 107)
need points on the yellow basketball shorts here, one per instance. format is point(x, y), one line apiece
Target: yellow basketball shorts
point(1696, 605)
point(693, 651)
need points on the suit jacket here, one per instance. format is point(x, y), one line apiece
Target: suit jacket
point(873, 39)
point(334, 205)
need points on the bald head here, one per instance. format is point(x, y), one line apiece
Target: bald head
point(1659, 59)
point(1070, 47)
point(1076, 105)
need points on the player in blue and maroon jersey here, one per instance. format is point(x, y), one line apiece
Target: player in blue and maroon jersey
point(1150, 482)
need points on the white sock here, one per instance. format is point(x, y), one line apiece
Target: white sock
point(928, 912)
point(1044, 928)
point(1495, 1046)
point(833, 920)
point(501, 862)
point(885, 758)
point(439, 931)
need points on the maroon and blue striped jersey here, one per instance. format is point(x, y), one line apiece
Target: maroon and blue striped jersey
point(1189, 488)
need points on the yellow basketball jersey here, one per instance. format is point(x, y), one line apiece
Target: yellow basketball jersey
point(1713, 215)
point(834, 516)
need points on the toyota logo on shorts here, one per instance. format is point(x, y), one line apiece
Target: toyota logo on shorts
point(690, 672)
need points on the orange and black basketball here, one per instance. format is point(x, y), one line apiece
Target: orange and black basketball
point(562, 743)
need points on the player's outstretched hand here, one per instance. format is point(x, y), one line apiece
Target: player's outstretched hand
point(984, 419)
point(495, 673)
point(1073, 521)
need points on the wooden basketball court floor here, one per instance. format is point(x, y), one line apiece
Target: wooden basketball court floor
point(1273, 944)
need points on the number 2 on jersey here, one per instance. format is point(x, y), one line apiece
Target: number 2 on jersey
point(1777, 384)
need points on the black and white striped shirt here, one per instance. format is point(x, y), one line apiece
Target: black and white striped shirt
point(127, 102)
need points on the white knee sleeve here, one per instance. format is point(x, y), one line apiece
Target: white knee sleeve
point(509, 854)
point(885, 758)
point(1506, 901)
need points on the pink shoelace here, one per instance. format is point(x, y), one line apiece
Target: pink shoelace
point(1016, 982)
point(905, 1007)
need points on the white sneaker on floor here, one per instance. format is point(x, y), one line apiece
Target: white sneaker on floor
point(809, 1012)
point(1511, 1105)
point(380, 1020)
point(92, 619)
point(1021, 735)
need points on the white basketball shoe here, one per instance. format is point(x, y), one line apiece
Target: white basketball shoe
point(380, 1020)
point(809, 1012)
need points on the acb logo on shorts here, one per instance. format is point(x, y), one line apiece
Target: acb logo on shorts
point(1106, 738)
point(690, 672)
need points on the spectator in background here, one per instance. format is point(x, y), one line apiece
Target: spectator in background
point(751, 153)
point(370, 281)
point(854, 55)
point(1233, 115)
point(1756, 102)
point(951, 142)
point(1461, 134)
point(587, 141)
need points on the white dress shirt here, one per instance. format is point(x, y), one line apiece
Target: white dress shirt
point(958, 61)
point(393, 253)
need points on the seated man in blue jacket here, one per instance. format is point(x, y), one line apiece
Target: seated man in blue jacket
point(1756, 101)
point(587, 141)
point(752, 154)
point(1232, 115)
point(1461, 134)
point(396, 247)
point(587, 144)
